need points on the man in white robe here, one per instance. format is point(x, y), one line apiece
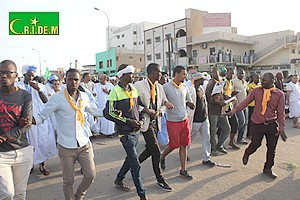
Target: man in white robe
point(102, 89)
point(293, 100)
point(42, 136)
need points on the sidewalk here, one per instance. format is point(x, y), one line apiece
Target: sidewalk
point(237, 182)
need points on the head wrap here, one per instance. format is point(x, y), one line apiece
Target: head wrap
point(197, 76)
point(53, 78)
point(28, 68)
point(128, 69)
point(113, 78)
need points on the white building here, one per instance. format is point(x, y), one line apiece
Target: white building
point(130, 36)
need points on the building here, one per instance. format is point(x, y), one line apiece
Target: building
point(125, 45)
point(204, 40)
point(107, 62)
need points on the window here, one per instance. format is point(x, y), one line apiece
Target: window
point(149, 57)
point(141, 59)
point(122, 35)
point(148, 41)
point(157, 39)
point(123, 45)
point(139, 43)
point(118, 45)
point(134, 43)
point(194, 53)
point(100, 64)
point(118, 36)
point(158, 56)
point(134, 32)
point(130, 57)
point(168, 35)
point(293, 49)
point(167, 54)
point(108, 63)
point(117, 58)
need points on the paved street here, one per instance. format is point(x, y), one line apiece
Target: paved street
point(237, 182)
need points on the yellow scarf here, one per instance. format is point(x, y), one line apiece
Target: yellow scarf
point(80, 116)
point(175, 85)
point(228, 88)
point(131, 102)
point(266, 98)
point(153, 92)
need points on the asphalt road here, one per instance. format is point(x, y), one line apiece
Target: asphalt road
point(236, 182)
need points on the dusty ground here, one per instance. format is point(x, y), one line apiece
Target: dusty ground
point(237, 182)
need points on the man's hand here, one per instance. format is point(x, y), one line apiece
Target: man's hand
point(169, 105)
point(229, 114)
point(136, 125)
point(34, 85)
point(2, 139)
point(24, 122)
point(105, 90)
point(282, 135)
point(190, 105)
point(150, 112)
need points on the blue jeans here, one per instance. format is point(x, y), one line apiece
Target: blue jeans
point(215, 122)
point(130, 144)
point(242, 121)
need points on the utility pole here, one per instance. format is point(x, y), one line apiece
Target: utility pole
point(169, 55)
point(75, 64)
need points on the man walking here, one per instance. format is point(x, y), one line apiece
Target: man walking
point(154, 99)
point(123, 108)
point(200, 123)
point(16, 155)
point(268, 119)
point(177, 120)
point(73, 140)
point(215, 109)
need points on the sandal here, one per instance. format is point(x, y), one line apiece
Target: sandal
point(121, 185)
point(43, 169)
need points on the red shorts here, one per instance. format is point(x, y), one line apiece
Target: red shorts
point(179, 133)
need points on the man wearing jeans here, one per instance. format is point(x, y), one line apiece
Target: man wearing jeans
point(16, 155)
point(123, 109)
point(215, 104)
point(240, 85)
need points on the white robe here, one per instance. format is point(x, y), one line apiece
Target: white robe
point(105, 126)
point(42, 136)
point(294, 99)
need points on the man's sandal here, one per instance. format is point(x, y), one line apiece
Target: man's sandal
point(121, 185)
point(43, 169)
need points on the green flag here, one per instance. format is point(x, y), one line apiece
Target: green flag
point(47, 74)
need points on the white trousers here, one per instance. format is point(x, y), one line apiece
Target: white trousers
point(203, 129)
point(15, 168)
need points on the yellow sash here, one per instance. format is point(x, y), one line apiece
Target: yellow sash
point(129, 94)
point(80, 116)
point(175, 85)
point(266, 98)
point(153, 92)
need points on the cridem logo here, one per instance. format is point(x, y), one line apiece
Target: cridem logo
point(33, 23)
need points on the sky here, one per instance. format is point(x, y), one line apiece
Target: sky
point(82, 29)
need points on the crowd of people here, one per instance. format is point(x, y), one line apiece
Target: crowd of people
point(41, 121)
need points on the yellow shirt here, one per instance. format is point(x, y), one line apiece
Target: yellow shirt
point(252, 86)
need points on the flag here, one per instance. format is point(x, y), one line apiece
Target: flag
point(47, 74)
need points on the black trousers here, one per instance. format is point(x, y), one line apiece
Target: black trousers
point(250, 112)
point(153, 150)
point(258, 131)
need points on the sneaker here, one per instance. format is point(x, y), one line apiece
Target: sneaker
point(242, 142)
point(208, 163)
point(185, 174)
point(164, 186)
point(163, 164)
point(222, 150)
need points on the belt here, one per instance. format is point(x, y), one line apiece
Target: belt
point(268, 122)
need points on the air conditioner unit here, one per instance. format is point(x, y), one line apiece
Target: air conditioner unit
point(204, 45)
